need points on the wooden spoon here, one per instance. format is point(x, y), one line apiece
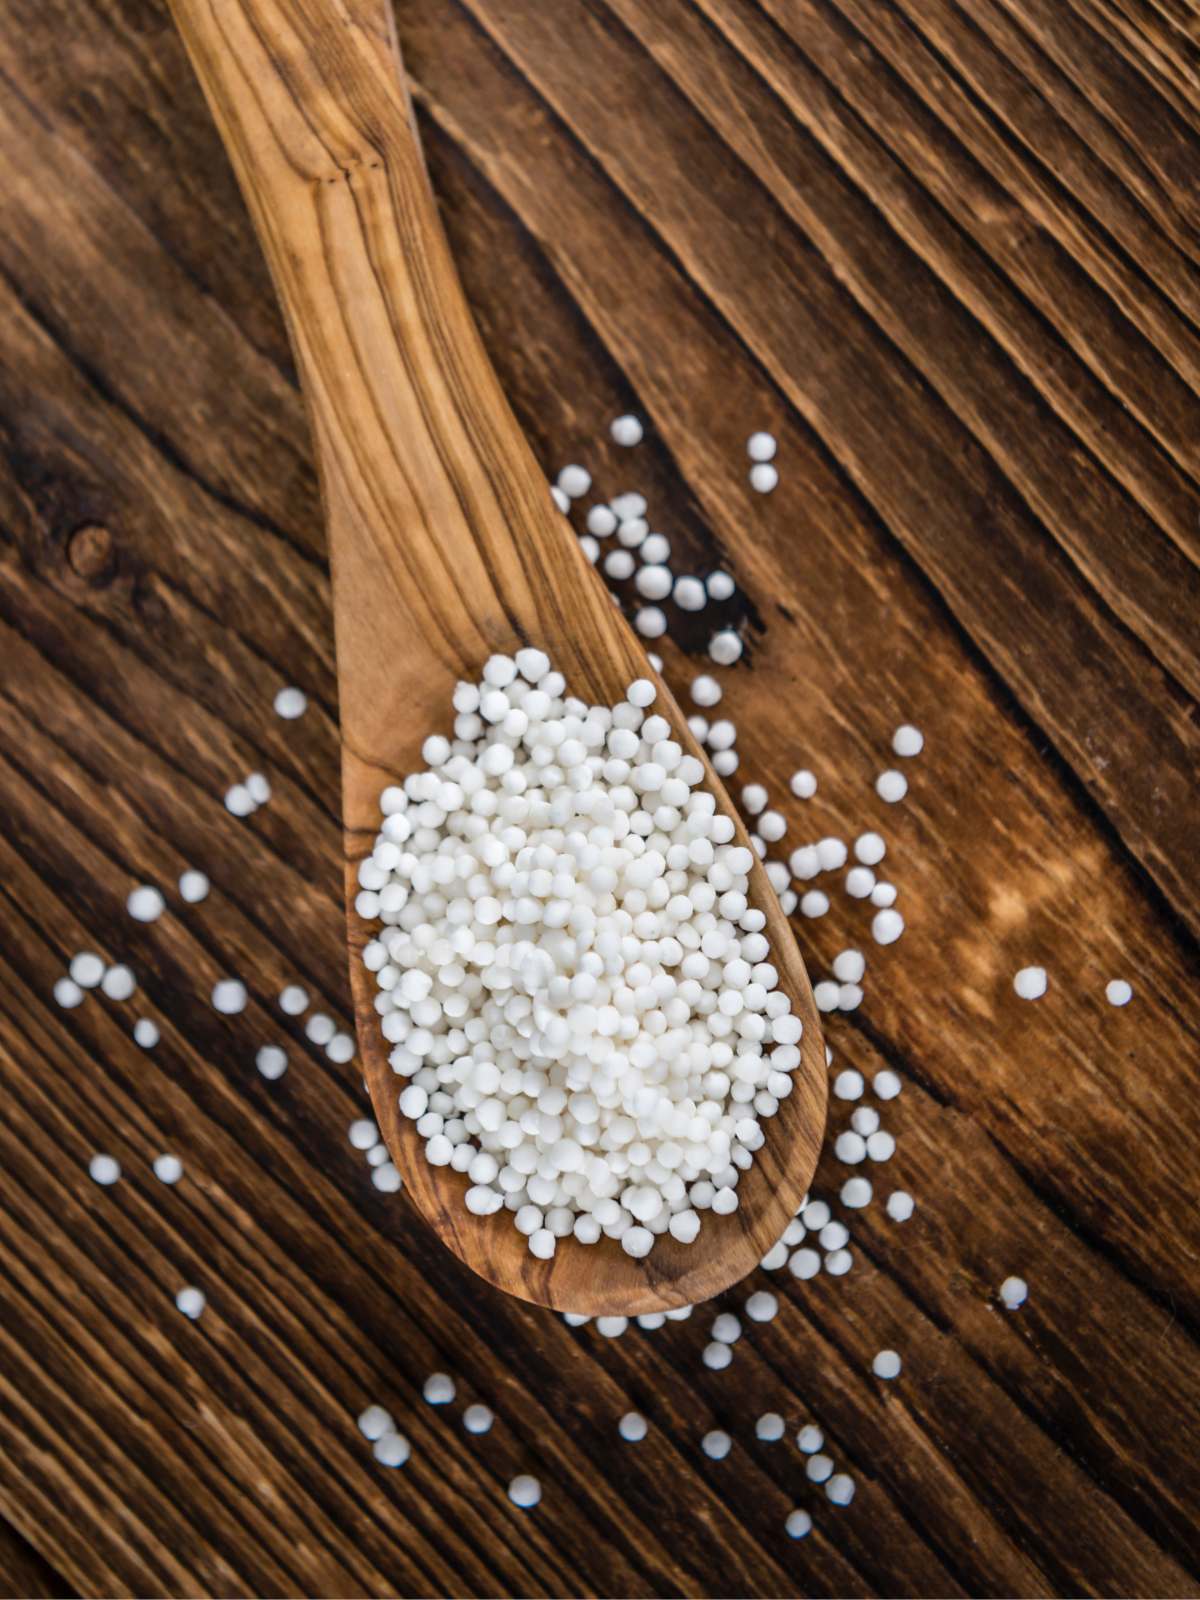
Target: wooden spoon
point(445, 548)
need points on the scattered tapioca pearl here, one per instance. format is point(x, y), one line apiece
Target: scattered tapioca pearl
point(1030, 983)
point(716, 1445)
point(589, 547)
point(562, 501)
point(716, 1355)
point(850, 1148)
point(725, 763)
point(810, 1439)
point(478, 1418)
point(761, 447)
point(886, 1085)
point(848, 1085)
point(690, 594)
point(68, 994)
point(655, 549)
point(775, 1258)
point(653, 582)
point(145, 1033)
point(725, 647)
point(762, 1306)
point(618, 565)
point(611, 1327)
point(834, 1236)
point(239, 802)
point(291, 703)
point(655, 661)
point(727, 1328)
point(804, 862)
point(849, 966)
point(891, 786)
point(271, 1061)
point(364, 1134)
point(439, 1389)
point(293, 1000)
point(826, 995)
point(803, 784)
point(386, 1178)
point(391, 1449)
point(574, 481)
point(870, 849)
point(856, 1192)
point(374, 1422)
point(86, 969)
point(145, 903)
point(259, 788)
point(814, 903)
point(831, 853)
point(795, 1232)
point(763, 477)
point(720, 586)
point(907, 740)
point(804, 1263)
point(191, 1301)
point(629, 505)
point(168, 1169)
point(840, 1489)
point(193, 886)
point(859, 882)
point(377, 1155)
point(818, 1467)
point(679, 1314)
point(769, 1427)
point(320, 1028)
point(886, 926)
point(816, 1214)
point(883, 894)
point(881, 1146)
point(838, 1263)
point(1013, 1293)
point(1118, 992)
point(633, 533)
point(602, 521)
point(104, 1170)
point(772, 825)
point(865, 1120)
point(699, 729)
point(525, 1491)
point(118, 983)
point(754, 799)
point(632, 1427)
point(886, 1364)
point(650, 622)
point(340, 1048)
point(626, 430)
point(722, 734)
point(798, 1524)
point(229, 996)
point(705, 691)
point(900, 1205)
point(651, 1319)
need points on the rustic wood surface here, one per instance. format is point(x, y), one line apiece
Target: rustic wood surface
point(946, 250)
point(444, 547)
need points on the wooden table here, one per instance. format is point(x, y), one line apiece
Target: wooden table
point(945, 250)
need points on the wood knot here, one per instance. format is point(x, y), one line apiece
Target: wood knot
point(91, 554)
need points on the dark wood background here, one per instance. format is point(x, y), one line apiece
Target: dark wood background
point(946, 250)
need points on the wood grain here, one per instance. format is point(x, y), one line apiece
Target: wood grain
point(1020, 163)
point(445, 547)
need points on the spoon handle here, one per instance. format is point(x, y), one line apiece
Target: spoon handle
point(424, 470)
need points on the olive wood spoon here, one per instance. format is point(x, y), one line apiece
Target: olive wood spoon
point(445, 548)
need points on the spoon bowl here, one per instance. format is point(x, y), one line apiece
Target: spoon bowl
point(446, 548)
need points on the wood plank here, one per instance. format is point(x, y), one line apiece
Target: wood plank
point(151, 511)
